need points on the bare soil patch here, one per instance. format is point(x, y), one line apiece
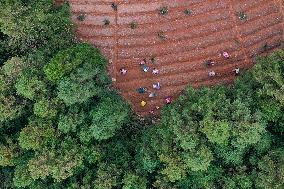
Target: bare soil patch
point(177, 37)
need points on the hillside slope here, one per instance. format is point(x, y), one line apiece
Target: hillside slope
point(177, 37)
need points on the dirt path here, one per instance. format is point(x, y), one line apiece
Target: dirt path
point(176, 37)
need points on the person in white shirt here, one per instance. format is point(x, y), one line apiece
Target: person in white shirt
point(123, 71)
point(211, 74)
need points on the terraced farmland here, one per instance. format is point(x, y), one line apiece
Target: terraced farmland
point(177, 37)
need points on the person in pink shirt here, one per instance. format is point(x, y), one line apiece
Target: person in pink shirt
point(155, 71)
point(168, 100)
point(226, 55)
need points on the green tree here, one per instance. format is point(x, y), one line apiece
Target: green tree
point(108, 117)
point(14, 67)
point(4, 50)
point(22, 176)
point(59, 163)
point(30, 87)
point(133, 181)
point(46, 108)
point(68, 60)
point(71, 121)
point(79, 84)
point(269, 73)
point(216, 131)
point(6, 177)
point(8, 153)
point(199, 160)
point(29, 26)
point(10, 108)
point(37, 134)
point(271, 170)
point(107, 176)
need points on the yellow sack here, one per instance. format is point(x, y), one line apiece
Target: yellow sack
point(143, 103)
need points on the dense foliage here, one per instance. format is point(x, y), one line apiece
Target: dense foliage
point(63, 126)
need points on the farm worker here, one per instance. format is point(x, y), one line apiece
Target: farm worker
point(143, 62)
point(156, 86)
point(226, 55)
point(155, 71)
point(211, 74)
point(145, 68)
point(209, 63)
point(152, 94)
point(168, 100)
point(123, 71)
point(142, 90)
point(237, 71)
point(143, 103)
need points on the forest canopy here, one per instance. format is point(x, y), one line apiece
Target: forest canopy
point(63, 126)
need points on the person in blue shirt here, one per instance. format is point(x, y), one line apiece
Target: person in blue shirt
point(141, 90)
point(145, 68)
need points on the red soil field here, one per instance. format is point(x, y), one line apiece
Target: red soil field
point(178, 42)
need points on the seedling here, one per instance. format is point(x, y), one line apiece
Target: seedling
point(106, 22)
point(242, 15)
point(163, 10)
point(153, 59)
point(161, 35)
point(133, 25)
point(81, 17)
point(282, 44)
point(265, 47)
point(237, 42)
point(187, 11)
point(114, 6)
